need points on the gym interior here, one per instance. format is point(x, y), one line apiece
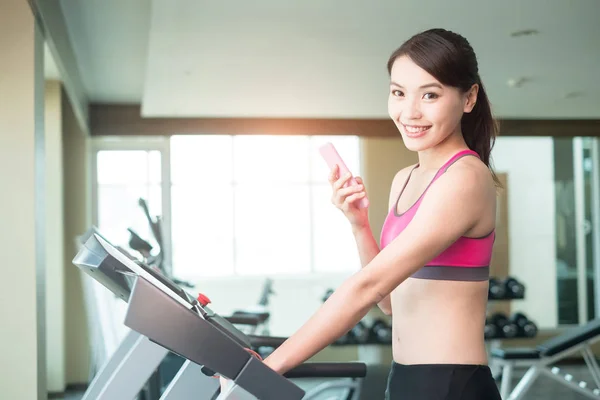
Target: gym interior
point(185, 135)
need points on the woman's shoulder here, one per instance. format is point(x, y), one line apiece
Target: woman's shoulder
point(470, 174)
point(471, 168)
point(399, 181)
point(401, 176)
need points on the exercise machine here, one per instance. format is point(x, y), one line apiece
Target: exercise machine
point(541, 361)
point(157, 261)
point(144, 248)
point(164, 318)
point(254, 320)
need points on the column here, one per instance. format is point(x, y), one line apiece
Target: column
point(22, 193)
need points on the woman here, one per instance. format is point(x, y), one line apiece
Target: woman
point(431, 273)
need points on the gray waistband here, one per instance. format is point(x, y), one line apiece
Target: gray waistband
point(450, 273)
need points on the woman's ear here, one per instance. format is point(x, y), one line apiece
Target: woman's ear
point(471, 98)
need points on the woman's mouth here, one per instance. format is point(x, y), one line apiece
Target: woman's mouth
point(415, 131)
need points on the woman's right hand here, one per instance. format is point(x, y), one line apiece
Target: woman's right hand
point(347, 198)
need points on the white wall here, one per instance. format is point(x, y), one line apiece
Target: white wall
point(55, 288)
point(529, 163)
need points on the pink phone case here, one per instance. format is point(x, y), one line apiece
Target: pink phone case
point(332, 157)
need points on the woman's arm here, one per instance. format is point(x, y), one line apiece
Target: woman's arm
point(367, 250)
point(451, 208)
point(366, 242)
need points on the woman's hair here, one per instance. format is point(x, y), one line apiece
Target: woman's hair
point(449, 58)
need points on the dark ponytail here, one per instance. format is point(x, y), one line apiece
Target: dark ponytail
point(479, 129)
point(449, 58)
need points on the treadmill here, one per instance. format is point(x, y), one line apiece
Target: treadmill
point(163, 317)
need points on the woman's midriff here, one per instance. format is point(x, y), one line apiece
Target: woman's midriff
point(439, 322)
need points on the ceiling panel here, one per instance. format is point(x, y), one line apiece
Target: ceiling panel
point(197, 58)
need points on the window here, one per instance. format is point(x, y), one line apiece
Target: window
point(202, 206)
point(233, 205)
point(123, 177)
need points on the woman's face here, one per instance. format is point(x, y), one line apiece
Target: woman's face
point(425, 111)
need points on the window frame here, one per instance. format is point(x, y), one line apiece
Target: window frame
point(152, 143)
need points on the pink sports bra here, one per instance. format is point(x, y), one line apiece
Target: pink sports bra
point(467, 259)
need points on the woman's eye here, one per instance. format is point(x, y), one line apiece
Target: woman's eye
point(397, 93)
point(430, 96)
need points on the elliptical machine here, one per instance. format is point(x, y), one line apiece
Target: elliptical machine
point(144, 248)
point(254, 320)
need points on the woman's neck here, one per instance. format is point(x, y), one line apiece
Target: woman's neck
point(433, 158)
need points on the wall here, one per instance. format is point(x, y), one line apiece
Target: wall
point(55, 285)
point(21, 216)
point(382, 159)
point(529, 165)
point(77, 220)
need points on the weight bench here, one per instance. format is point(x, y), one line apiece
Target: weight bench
point(541, 360)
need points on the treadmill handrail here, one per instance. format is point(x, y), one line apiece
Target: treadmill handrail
point(266, 341)
point(244, 320)
point(328, 370)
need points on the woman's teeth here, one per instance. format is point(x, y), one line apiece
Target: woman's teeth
point(415, 129)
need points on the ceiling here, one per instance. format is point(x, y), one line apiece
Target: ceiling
point(326, 59)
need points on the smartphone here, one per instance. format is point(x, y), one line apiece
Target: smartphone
point(332, 157)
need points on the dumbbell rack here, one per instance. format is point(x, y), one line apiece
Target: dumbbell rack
point(494, 343)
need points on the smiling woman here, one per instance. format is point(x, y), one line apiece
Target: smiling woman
point(431, 272)
point(444, 92)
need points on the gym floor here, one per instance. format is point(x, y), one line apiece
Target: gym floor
point(543, 389)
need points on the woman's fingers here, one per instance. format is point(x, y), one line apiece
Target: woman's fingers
point(339, 196)
point(347, 191)
point(338, 184)
point(355, 196)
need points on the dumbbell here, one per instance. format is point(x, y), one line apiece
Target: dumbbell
point(506, 327)
point(514, 288)
point(359, 334)
point(327, 294)
point(526, 327)
point(490, 330)
point(381, 332)
point(346, 339)
point(497, 289)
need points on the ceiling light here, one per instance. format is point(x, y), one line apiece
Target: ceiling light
point(517, 82)
point(524, 32)
point(573, 95)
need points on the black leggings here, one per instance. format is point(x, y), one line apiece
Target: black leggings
point(441, 382)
